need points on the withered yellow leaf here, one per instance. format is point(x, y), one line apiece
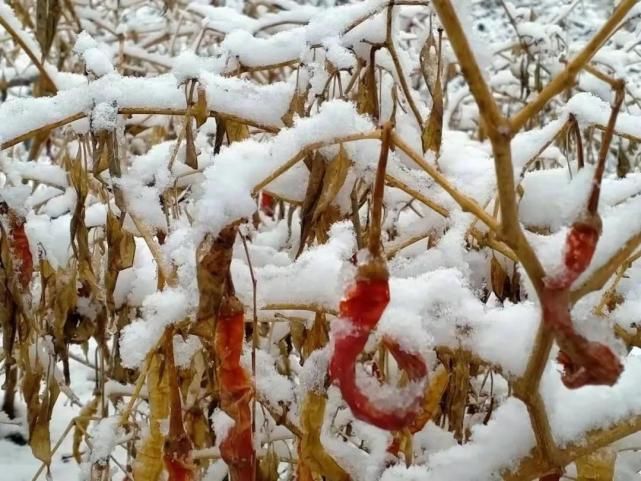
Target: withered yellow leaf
point(333, 180)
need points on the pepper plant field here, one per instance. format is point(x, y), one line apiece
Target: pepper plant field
point(362, 240)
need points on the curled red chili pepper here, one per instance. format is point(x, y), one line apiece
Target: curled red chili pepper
point(584, 362)
point(236, 391)
point(361, 309)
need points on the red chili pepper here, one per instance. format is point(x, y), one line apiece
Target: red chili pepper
point(178, 467)
point(585, 362)
point(267, 204)
point(236, 391)
point(362, 307)
point(13, 228)
point(20, 247)
point(580, 245)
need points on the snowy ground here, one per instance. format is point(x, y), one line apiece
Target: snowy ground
point(63, 468)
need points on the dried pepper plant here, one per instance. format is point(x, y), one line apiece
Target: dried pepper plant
point(268, 241)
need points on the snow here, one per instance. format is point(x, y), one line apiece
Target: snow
point(494, 447)
point(104, 439)
point(159, 310)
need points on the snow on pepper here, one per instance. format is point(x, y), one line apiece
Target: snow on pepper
point(361, 309)
point(584, 362)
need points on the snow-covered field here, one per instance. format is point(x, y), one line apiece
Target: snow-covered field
point(438, 283)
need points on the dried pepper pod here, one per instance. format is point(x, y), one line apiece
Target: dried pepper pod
point(178, 446)
point(580, 245)
point(236, 390)
point(361, 309)
point(267, 204)
point(585, 362)
point(13, 228)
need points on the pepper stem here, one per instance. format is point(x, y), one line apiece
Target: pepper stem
point(377, 196)
point(593, 202)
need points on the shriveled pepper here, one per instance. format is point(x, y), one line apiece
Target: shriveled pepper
point(361, 309)
point(13, 229)
point(584, 362)
point(236, 390)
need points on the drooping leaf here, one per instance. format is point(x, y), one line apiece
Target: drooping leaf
point(367, 97)
point(597, 466)
point(81, 425)
point(148, 465)
point(432, 135)
point(214, 259)
point(268, 466)
point(333, 180)
point(236, 131)
point(316, 165)
point(500, 280)
point(47, 15)
point(191, 156)
point(312, 452)
point(120, 254)
point(296, 107)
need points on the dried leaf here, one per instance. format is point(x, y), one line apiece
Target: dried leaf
point(39, 409)
point(367, 99)
point(236, 131)
point(316, 165)
point(433, 131)
point(64, 299)
point(333, 180)
point(316, 337)
point(191, 156)
point(597, 466)
point(214, 259)
point(178, 446)
point(148, 464)
point(81, 425)
point(312, 452)
point(500, 280)
point(457, 394)
point(268, 466)
point(47, 15)
point(296, 107)
point(434, 392)
point(100, 152)
point(623, 162)
point(120, 255)
point(200, 111)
